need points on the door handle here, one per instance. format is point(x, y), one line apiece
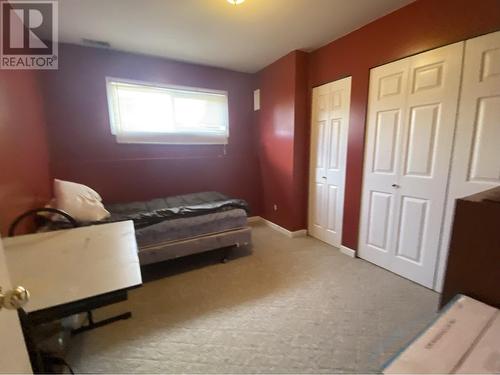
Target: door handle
point(324, 177)
point(14, 299)
point(395, 186)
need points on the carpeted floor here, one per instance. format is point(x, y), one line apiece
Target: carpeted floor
point(293, 306)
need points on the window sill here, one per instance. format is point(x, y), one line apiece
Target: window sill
point(177, 139)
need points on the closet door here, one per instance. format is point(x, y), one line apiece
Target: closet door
point(476, 156)
point(411, 121)
point(329, 131)
point(380, 198)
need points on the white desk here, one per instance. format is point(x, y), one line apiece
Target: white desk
point(66, 266)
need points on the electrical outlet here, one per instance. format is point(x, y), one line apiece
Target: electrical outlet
point(275, 207)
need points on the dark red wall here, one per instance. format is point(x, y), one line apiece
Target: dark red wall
point(24, 166)
point(281, 122)
point(267, 157)
point(301, 141)
point(82, 148)
point(422, 25)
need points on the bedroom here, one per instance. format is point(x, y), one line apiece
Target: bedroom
point(293, 297)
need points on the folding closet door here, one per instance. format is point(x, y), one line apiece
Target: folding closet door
point(329, 131)
point(410, 128)
point(380, 201)
point(476, 156)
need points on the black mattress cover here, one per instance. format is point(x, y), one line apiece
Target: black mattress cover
point(157, 210)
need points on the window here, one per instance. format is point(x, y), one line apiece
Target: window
point(148, 113)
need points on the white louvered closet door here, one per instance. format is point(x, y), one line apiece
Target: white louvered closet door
point(329, 131)
point(476, 156)
point(410, 128)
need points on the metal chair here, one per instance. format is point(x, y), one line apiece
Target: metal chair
point(17, 220)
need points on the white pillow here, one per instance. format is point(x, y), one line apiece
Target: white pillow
point(79, 201)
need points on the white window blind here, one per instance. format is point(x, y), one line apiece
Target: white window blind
point(148, 113)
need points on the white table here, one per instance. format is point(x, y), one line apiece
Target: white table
point(74, 270)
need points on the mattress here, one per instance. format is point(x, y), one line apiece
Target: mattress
point(190, 227)
point(155, 212)
point(150, 213)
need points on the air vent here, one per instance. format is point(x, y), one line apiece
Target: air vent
point(96, 43)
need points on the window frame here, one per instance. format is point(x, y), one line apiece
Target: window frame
point(178, 138)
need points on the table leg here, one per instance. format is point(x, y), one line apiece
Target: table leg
point(92, 324)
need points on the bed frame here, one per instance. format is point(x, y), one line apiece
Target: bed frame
point(180, 248)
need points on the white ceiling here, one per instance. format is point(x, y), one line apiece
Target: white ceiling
point(245, 37)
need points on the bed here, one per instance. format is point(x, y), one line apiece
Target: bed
point(182, 225)
point(178, 226)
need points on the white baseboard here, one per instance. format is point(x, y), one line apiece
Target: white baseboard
point(347, 251)
point(276, 227)
point(253, 219)
point(297, 233)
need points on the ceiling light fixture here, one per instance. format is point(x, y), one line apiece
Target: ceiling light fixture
point(235, 2)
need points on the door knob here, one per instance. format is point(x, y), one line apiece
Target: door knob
point(15, 298)
point(324, 177)
point(395, 186)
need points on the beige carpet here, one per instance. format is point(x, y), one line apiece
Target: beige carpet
point(293, 306)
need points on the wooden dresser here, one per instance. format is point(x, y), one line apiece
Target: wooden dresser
point(473, 265)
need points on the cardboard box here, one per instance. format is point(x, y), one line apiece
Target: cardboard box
point(485, 357)
point(465, 338)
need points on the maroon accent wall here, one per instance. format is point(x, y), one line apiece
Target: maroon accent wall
point(422, 25)
point(24, 165)
point(301, 140)
point(82, 148)
point(282, 124)
point(267, 159)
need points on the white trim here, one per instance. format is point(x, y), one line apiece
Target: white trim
point(298, 233)
point(347, 251)
point(276, 227)
point(253, 219)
